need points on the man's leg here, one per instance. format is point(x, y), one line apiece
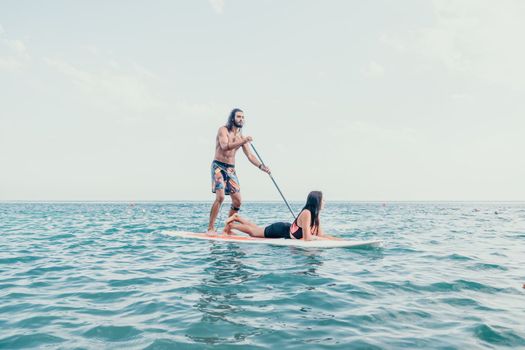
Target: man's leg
point(236, 203)
point(235, 207)
point(216, 206)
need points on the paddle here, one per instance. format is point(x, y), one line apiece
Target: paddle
point(275, 183)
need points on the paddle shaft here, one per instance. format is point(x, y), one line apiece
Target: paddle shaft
point(275, 183)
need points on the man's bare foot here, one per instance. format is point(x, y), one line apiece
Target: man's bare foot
point(211, 231)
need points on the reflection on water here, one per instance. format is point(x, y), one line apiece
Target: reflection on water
point(310, 260)
point(220, 292)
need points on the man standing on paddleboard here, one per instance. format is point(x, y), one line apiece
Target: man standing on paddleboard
point(224, 181)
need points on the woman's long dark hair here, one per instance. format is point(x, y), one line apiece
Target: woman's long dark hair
point(231, 118)
point(313, 204)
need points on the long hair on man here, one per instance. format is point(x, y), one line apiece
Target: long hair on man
point(313, 204)
point(231, 119)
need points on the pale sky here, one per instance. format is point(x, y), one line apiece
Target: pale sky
point(364, 100)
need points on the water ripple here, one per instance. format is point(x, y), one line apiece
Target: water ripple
point(103, 275)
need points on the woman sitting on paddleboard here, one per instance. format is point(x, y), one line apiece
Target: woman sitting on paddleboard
point(306, 226)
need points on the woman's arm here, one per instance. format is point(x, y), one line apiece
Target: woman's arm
point(321, 233)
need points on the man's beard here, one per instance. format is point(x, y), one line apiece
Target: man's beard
point(237, 125)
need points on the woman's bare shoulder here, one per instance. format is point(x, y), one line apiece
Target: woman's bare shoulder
point(305, 215)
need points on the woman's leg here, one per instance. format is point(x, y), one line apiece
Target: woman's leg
point(236, 217)
point(249, 228)
point(229, 222)
point(237, 222)
point(231, 218)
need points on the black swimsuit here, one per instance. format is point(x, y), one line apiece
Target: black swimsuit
point(284, 230)
point(295, 230)
point(277, 230)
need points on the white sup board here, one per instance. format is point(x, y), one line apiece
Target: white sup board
point(321, 242)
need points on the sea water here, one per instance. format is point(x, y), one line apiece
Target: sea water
point(104, 276)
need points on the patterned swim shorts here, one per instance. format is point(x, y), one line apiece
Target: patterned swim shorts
point(223, 177)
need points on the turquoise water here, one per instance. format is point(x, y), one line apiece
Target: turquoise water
point(102, 275)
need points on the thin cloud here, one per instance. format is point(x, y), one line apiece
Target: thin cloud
point(10, 64)
point(91, 49)
point(477, 38)
point(370, 130)
point(218, 6)
point(110, 86)
point(374, 70)
point(13, 53)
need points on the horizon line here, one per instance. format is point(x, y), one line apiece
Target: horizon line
point(256, 201)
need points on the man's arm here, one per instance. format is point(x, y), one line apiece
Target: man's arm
point(252, 159)
point(224, 141)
